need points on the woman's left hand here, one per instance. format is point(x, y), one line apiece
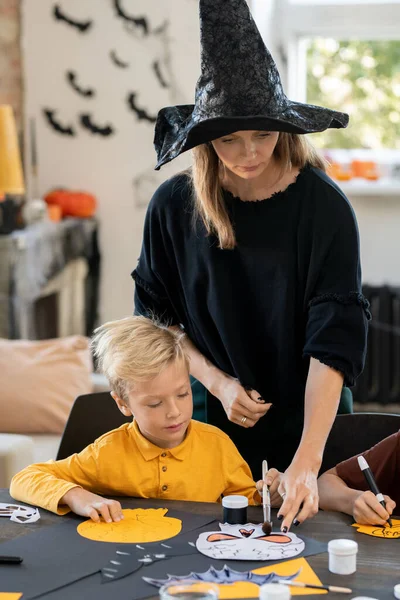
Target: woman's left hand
point(299, 491)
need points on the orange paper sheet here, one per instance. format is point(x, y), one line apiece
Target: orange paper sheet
point(390, 533)
point(244, 589)
point(140, 525)
point(10, 595)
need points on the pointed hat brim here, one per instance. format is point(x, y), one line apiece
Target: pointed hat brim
point(176, 130)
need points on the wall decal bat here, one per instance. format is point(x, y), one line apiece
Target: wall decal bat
point(159, 75)
point(81, 26)
point(141, 113)
point(86, 93)
point(56, 125)
point(117, 61)
point(137, 22)
point(88, 123)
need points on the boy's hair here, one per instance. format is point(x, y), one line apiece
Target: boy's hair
point(135, 349)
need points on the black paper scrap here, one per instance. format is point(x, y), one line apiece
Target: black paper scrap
point(56, 556)
point(81, 26)
point(133, 587)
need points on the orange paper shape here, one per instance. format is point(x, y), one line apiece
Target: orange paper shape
point(244, 589)
point(10, 595)
point(390, 533)
point(139, 525)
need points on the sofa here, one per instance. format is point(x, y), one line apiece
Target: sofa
point(18, 450)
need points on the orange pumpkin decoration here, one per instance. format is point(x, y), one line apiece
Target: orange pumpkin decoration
point(72, 203)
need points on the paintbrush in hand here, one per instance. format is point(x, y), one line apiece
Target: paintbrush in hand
point(266, 500)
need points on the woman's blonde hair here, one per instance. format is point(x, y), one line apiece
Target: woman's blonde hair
point(135, 349)
point(291, 150)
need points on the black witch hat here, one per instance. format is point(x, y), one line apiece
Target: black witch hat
point(239, 88)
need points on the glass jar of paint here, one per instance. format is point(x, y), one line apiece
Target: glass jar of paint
point(342, 556)
point(189, 589)
point(235, 510)
point(274, 591)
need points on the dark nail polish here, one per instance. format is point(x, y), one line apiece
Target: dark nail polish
point(284, 529)
point(260, 398)
point(280, 517)
point(296, 522)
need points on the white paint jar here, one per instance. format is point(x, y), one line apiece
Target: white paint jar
point(274, 591)
point(342, 556)
point(235, 510)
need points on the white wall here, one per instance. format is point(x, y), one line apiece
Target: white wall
point(107, 166)
point(379, 224)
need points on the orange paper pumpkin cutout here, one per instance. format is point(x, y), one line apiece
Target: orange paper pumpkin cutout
point(390, 533)
point(139, 525)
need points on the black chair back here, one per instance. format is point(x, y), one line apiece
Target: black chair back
point(91, 416)
point(354, 433)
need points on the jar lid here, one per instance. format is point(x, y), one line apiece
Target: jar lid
point(343, 547)
point(396, 591)
point(235, 502)
point(274, 591)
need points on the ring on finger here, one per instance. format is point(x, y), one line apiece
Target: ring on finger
point(243, 420)
point(283, 494)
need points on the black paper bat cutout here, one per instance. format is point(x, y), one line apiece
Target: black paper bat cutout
point(224, 576)
point(86, 93)
point(88, 123)
point(81, 26)
point(56, 125)
point(117, 61)
point(159, 75)
point(135, 21)
point(141, 114)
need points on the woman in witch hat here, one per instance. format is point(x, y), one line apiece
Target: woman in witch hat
point(255, 253)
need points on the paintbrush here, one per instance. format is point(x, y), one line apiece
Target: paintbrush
point(266, 500)
point(329, 588)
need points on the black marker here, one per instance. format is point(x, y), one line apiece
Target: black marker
point(10, 560)
point(364, 466)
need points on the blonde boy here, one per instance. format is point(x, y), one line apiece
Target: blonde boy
point(162, 454)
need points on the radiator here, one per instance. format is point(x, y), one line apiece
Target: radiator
point(380, 381)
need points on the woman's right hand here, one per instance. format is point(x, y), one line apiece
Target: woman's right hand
point(242, 407)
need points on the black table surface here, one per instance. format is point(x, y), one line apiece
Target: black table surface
point(378, 560)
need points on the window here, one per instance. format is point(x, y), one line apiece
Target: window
point(362, 78)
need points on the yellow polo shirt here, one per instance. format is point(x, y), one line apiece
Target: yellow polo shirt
point(203, 468)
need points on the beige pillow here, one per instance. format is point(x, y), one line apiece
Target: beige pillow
point(39, 381)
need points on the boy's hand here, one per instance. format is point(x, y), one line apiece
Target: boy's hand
point(272, 479)
point(368, 511)
point(90, 505)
